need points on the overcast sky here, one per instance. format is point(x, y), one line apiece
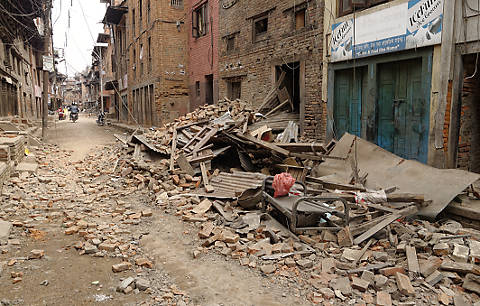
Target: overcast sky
point(76, 39)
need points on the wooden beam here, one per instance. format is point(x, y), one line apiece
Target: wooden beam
point(174, 148)
point(379, 226)
point(264, 144)
point(276, 108)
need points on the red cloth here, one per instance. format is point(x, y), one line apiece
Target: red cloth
point(282, 183)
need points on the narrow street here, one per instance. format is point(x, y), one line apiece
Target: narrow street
point(74, 205)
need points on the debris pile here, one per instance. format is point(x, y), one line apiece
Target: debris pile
point(347, 234)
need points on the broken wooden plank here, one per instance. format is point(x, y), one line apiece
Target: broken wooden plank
point(271, 95)
point(276, 108)
point(198, 159)
point(284, 96)
point(303, 147)
point(178, 128)
point(121, 138)
point(186, 133)
point(174, 148)
point(206, 184)
point(259, 132)
point(204, 140)
point(264, 144)
point(379, 226)
point(363, 250)
point(333, 185)
point(412, 259)
point(195, 138)
point(185, 165)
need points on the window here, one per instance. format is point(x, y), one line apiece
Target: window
point(134, 67)
point(140, 14)
point(348, 6)
point(197, 88)
point(133, 23)
point(199, 20)
point(149, 42)
point(300, 19)
point(260, 27)
point(234, 89)
point(140, 58)
point(176, 3)
point(148, 11)
point(231, 43)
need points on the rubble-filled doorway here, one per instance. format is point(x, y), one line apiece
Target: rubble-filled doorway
point(291, 82)
point(468, 154)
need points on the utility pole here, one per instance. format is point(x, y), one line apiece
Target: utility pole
point(101, 79)
point(46, 47)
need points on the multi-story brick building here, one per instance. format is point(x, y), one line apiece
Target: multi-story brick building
point(157, 80)
point(149, 60)
point(203, 40)
point(261, 38)
point(116, 20)
point(21, 79)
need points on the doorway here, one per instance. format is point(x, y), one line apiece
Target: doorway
point(209, 89)
point(350, 88)
point(402, 122)
point(291, 82)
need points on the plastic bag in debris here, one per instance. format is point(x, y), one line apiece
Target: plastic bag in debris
point(374, 197)
point(282, 183)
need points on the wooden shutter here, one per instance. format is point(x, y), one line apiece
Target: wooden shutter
point(205, 21)
point(194, 24)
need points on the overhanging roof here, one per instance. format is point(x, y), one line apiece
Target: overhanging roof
point(114, 14)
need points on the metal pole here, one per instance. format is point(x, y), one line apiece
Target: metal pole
point(46, 46)
point(101, 80)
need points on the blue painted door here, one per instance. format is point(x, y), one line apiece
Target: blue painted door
point(402, 109)
point(348, 101)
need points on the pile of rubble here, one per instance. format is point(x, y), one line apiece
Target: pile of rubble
point(87, 202)
point(364, 245)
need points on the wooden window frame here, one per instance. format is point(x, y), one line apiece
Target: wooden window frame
point(230, 43)
point(357, 5)
point(133, 23)
point(304, 10)
point(200, 30)
point(257, 36)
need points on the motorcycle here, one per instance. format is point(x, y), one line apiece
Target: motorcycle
point(74, 117)
point(101, 119)
point(61, 116)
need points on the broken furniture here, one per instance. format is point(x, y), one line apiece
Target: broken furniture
point(305, 212)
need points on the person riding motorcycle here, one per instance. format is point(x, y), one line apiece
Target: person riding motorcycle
point(74, 110)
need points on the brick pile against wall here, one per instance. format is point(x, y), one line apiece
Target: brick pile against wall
point(253, 62)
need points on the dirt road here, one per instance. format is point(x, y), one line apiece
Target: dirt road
point(80, 137)
point(75, 189)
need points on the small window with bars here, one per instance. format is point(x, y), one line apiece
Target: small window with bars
point(176, 3)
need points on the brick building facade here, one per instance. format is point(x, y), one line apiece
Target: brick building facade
point(202, 32)
point(21, 76)
point(259, 39)
point(157, 48)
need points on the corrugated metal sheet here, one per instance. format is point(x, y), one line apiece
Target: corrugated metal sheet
point(231, 185)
